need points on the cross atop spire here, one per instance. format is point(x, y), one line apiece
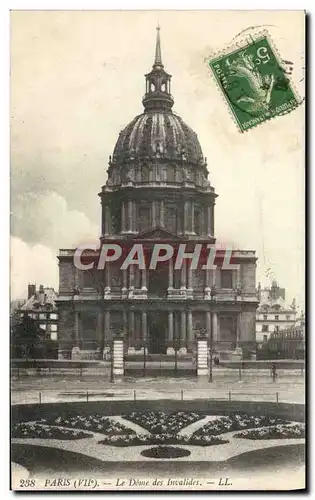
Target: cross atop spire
point(158, 57)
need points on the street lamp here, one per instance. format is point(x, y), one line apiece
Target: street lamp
point(210, 354)
point(212, 294)
point(112, 363)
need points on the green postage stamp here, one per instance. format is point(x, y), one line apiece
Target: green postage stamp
point(254, 82)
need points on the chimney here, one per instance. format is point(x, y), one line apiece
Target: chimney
point(31, 290)
point(41, 295)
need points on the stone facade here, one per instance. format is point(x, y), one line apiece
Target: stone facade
point(157, 191)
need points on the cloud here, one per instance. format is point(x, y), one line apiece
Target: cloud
point(47, 220)
point(31, 264)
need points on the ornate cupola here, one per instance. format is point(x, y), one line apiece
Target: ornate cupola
point(158, 83)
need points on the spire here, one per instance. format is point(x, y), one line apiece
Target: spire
point(158, 83)
point(158, 57)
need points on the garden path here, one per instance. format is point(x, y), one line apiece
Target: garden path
point(127, 423)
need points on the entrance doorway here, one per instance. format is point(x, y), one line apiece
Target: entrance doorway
point(158, 281)
point(157, 330)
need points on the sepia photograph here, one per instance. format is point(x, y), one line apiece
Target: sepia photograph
point(157, 254)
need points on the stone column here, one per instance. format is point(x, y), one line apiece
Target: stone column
point(162, 214)
point(170, 275)
point(190, 336)
point(212, 220)
point(131, 328)
point(192, 217)
point(202, 356)
point(106, 326)
point(144, 280)
point(183, 276)
point(189, 276)
point(118, 357)
point(186, 208)
point(77, 328)
point(153, 213)
point(209, 224)
point(130, 218)
point(215, 327)
point(123, 217)
point(131, 281)
point(238, 328)
point(124, 283)
point(208, 284)
point(99, 330)
point(107, 220)
point(183, 329)
point(170, 327)
point(208, 323)
point(202, 222)
point(144, 325)
point(238, 275)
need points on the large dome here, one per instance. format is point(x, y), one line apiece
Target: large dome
point(158, 133)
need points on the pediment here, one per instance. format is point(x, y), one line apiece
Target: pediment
point(157, 233)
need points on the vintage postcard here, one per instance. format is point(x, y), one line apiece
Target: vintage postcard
point(157, 251)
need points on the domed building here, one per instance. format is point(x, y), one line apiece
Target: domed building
point(157, 191)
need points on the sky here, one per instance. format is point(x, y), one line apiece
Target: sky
point(77, 79)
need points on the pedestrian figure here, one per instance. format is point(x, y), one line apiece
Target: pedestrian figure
point(274, 371)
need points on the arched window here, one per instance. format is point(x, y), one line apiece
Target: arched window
point(143, 217)
point(145, 174)
point(171, 173)
point(170, 217)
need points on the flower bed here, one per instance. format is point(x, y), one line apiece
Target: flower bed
point(160, 422)
point(93, 423)
point(274, 432)
point(235, 422)
point(165, 452)
point(28, 430)
point(161, 439)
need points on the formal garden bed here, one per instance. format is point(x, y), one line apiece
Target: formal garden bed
point(163, 428)
point(161, 439)
point(165, 452)
point(94, 423)
point(33, 430)
point(296, 431)
point(235, 422)
point(161, 422)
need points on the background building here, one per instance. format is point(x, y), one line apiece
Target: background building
point(157, 191)
point(273, 314)
point(41, 307)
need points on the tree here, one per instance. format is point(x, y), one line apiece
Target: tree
point(27, 339)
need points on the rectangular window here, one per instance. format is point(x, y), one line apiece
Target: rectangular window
point(53, 335)
point(277, 317)
point(265, 338)
point(265, 317)
point(53, 316)
point(226, 279)
point(53, 328)
point(42, 326)
point(276, 328)
point(288, 317)
point(42, 316)
point(265, 328)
